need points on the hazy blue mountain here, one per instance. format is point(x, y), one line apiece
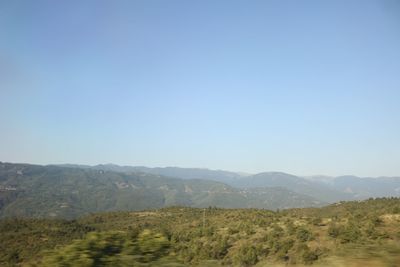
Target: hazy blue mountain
point(53, 191)
point(294, 183)
point(325, 188)
point(183, 173)
point(177, 172)
point(259, 197)
point(363, 188)
point(321, 179)
point(315, 189)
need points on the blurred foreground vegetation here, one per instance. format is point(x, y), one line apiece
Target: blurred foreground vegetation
point(363, 233)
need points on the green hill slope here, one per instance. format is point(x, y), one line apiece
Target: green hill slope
point(354, 234)
point(52, 191)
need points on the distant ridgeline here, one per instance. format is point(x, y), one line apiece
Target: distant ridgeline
point(69, 191)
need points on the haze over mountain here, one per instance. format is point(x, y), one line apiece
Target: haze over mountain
point(183, 173)
point(43, 191)
point(325, 188)
point(289, 112)
point(72, 190)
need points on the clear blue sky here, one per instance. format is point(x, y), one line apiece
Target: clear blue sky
point(305, 87)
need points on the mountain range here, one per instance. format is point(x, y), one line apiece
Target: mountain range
point(69, 191)
point(326, 188)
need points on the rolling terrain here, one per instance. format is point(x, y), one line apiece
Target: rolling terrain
point(68, 192)
point(358, 234)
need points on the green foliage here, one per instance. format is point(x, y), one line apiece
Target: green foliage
point(350, 233)
point(334, 230)
point(233, 230)
point(317, 221)
point(371, 231)
point(282, 247)
point(396, 210)
point(151, 245)
point(221, 248)
point(234, 237)
point(246, 255)
point(291, 228)
point(23, 239)
point(303, 234)
point(69, 193)
point(309, 256)
point(375, 220)
point(110, 249)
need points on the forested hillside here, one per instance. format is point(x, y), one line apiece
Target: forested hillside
point(61, 192)
point(324, 188)
point(345, 234)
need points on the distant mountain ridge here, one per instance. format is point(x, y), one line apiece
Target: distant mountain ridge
point(324, 188)
point(72, 190)
point(68, 192)
point(294, 183)
point(177, 172)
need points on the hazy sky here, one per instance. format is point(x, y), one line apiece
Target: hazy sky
point(305, 87)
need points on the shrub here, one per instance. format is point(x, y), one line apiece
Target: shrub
point(317, 221)
point(152, 245)
point(303, 235)
point(350, 233)
point(246, 256)
point(309, 256)
point(334, 230)
point(109, 249)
